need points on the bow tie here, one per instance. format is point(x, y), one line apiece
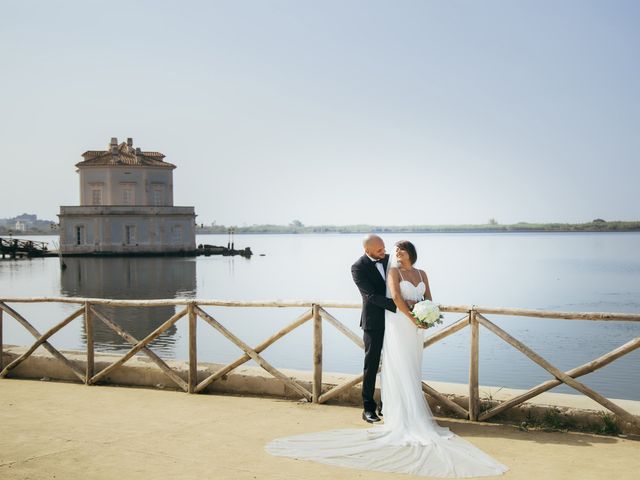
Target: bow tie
point(376, 261)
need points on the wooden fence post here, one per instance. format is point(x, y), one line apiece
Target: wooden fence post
point(193, 353)
point(474, 396)
point(88, 327)
point(317, 354)
point(1, 363)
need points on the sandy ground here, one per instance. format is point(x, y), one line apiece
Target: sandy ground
point(65, 431)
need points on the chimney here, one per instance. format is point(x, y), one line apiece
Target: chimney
point(113, 146)
point(130, 142)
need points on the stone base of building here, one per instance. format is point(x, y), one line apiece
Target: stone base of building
point(126, 230)
point(137, 253)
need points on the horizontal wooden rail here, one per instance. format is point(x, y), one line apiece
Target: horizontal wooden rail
point(521, 312)
point(317, 311)
point(206, 302)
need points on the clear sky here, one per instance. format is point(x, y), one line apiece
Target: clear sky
point(332, 112)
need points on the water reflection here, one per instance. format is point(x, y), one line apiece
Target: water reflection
point(131, 278)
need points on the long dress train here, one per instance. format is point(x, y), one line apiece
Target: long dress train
point(410, 441)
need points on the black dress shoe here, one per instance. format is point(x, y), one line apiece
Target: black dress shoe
point(370, 417)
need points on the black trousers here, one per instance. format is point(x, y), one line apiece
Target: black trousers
point(372, 349)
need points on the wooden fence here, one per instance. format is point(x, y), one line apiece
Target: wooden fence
point(473, 317)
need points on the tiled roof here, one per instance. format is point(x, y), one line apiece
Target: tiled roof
point(123, 154)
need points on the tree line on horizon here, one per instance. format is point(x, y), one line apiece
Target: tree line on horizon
point(597, 225)
point(296, 226)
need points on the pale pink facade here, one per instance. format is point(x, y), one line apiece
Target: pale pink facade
point(126, 206)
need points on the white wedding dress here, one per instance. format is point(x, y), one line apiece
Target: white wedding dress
point(409, 441)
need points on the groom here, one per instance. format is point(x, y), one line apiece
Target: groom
point(369, 273)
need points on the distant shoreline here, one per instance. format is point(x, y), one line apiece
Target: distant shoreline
point(595, 226)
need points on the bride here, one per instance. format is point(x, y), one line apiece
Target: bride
point(410, 441)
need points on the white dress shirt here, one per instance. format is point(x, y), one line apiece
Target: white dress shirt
point(379, 266)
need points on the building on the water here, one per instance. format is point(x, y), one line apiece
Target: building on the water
point(126, 206)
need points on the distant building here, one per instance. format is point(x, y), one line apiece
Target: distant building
point(126, 206)
point(20, 226)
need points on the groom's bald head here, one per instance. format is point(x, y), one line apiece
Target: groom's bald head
point(373, 246)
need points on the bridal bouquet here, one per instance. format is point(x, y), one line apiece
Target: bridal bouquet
point(427, 313)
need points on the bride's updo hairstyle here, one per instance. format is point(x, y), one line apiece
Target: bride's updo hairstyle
point(408, 247)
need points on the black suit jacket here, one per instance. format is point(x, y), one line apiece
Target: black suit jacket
point(373, 289)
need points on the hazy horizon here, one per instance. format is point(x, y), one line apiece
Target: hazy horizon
point(332, 113)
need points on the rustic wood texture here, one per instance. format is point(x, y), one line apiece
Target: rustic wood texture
point(193, 348)
point(445, 332)
point(474, 351)
point(254, 356)
point(450, 404)
point(342, 328)
point(305, 317)
point(574, 373)
point(317, 312)
point(50, 348)
point(88, 327)
point(522, 312)
point(42, 339)
point(131, 339)
point(338, 389)
point(632, 317)
point(1, 352)
point(560, 375)
point(317, 355)
point(208, 302)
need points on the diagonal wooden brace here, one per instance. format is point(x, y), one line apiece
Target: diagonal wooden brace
point(338, 389)
point(450, 404)
point(342, 328)
point(588, 367)
point(40, 341)
point(445, 332)
point(253, 354)
point(560, 375)
point(245, 358)
point(129, 338)
point(50, 348)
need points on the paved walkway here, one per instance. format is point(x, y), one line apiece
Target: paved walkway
point(64, 431)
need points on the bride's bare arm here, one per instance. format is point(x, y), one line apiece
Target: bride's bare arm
point(396, 295)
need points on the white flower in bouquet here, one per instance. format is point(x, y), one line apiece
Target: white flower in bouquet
point(427, 313)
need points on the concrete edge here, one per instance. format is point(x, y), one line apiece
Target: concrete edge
point(548, 409)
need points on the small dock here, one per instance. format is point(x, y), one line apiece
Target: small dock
point(18, 248)
point(227, 251)
point(14, 248)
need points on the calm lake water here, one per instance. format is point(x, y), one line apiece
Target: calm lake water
point(577, 272)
